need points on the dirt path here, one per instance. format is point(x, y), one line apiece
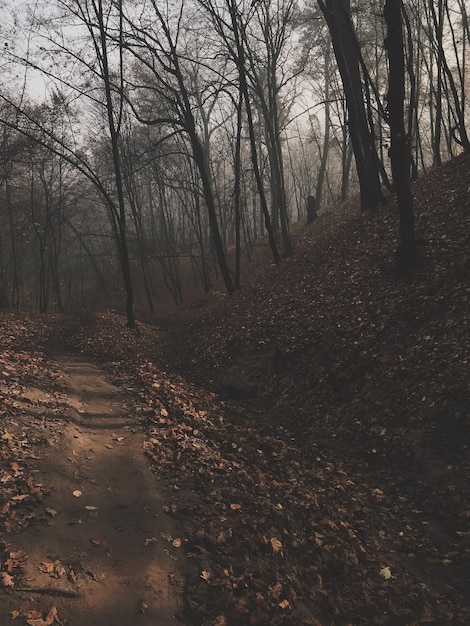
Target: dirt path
point(110, 556)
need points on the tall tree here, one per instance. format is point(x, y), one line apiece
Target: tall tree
point(337, 14)
point(156, 40)
point(232, 32)
point(267, 71)
point(99, 78)
point(96, 18)
point(406, 256)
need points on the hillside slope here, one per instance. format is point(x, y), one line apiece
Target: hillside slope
point(312, 431)
point(329, 352)
point(331, 325)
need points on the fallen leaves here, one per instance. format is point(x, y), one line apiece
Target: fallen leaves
point(20, 497)
point(6, 580)
point(32, 488)
point(23, 405)
point(150, 541)
point(385, 573)
point(176, 543)
point(11, 562)
point(4, 509)
point(276, 545)
point(47, 568)
point(35, 618)
point(362, 378)
point(98, 577)
point(53, 568)
point(97, 542)
point(363, 383)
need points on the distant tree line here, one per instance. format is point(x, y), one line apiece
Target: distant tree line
point(173, 135)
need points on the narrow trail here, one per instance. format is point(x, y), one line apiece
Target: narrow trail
point(109, 555)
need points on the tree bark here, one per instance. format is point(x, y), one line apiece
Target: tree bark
point(337, 14)
point(114, 131)
point(239, 59)
point(406, 256)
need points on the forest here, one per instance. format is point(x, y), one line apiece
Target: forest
point(234, 313)
point(147, 148)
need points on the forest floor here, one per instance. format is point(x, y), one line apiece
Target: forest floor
point(87, 511)
point(309, 440)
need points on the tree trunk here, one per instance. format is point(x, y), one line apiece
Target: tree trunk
point(326, 134)
point(14, 256)
point(241, 67)
point(114, 131)
point(338, 18)
point(237, 192)
point(406, 256)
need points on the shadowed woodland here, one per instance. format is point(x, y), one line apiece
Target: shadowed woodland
point(311, 431)
point(234, 337)
point(142, 161)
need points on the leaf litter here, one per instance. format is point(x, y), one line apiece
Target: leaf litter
point(320, 500)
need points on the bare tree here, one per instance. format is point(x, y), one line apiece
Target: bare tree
point(103, 70)
point(406, 257)
point(160, 52)
point(338, 17)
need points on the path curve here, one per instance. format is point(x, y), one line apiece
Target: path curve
point(110, 556)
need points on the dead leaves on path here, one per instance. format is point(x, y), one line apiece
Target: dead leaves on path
point(20, 492)
point(284, 532)
point(11, 569)
point(6, 580)
point(11, 562)
point(29, 392)
point(276, 537)
point(37, 618)
point(55, 568)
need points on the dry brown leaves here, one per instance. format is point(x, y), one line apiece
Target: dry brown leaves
point(28, 395)
point(338, 492)
point(341, 363)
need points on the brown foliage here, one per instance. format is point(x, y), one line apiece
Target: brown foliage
point(336, 490)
